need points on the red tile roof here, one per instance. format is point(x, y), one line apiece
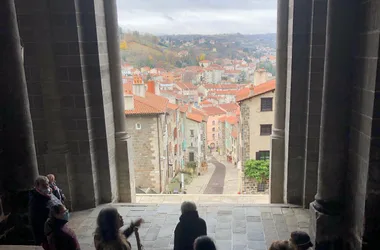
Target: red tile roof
point(231, 119)
point(172, 106)
point(205, 102)
point(183, 108)
point(259, 90)
point(223, 92)
point(229, 107)
point(186, 86)
point(151, 104)
point(211, 111)
point(194, 117)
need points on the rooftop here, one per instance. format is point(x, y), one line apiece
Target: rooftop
point(211, 111)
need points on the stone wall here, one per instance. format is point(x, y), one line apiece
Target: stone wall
point(249, 186)
point(245, 131)
point(67, 73)
point(145, 151)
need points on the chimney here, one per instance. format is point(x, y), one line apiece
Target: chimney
point(129, 103)
point(251, 90)
point(151, 87)
point(138, 86)
point(260, 76)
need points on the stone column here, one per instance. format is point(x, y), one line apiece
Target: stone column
point(17, 153)
point(315, 86)
point(327, 224)
point(296, 99)
point(124, 170)
point(278, 137)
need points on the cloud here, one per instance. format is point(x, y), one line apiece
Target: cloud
point(198, 16)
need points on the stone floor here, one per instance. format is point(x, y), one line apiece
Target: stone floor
point(231, 226)
point(204, 199)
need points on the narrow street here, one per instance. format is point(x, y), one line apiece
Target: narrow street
point(216, 183)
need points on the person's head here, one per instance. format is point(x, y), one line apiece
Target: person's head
point(301, 240)
point(188, 206)
point(109, 222)
point(204, 243)
point(41, 184)
point(51, 178)
point(59, 211)
point(281, 245)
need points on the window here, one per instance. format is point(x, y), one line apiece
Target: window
point(267, 104)
point(191, 133)
point(262, 155)
point(213, 129)
point(213, 122)
point(138, 126)
point(265, 129)
point(192, 145)
point(191, 156)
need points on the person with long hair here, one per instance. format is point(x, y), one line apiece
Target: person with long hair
point(108, 235)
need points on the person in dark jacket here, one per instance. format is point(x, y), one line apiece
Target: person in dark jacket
point(58, 234)
point(40, 201)
point(55, 189)
point(204, 243)
point(190, 227)
point(301, 240)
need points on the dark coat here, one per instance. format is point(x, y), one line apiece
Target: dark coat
point(39, 209)
point(189, 228)
point(57, 192)
point(60, 236)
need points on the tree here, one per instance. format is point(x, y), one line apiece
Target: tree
point(202, 57)
point(257, 169)
point(242, 77)
point(268, 67)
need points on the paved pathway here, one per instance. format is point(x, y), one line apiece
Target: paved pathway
point(233, 227)
point(216, 183)
point(231, 181)
point(199, 183)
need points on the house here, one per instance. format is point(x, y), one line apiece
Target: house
point(186, 88)
point(147, 118)
point(204, 63)
point(213, 114)
point(256, 120)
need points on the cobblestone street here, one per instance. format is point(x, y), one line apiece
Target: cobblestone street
point(231, 226)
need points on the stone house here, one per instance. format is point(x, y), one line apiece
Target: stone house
point(257, 117)
point(147, 124)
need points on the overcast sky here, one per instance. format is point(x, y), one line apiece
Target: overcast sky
point(198, 16)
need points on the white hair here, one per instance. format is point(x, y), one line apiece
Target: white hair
point(188, 206)
point(41, 180)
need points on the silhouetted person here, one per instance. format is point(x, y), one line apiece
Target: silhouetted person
point(108, 235)
point(204, 243)
point(59, 235)
point(55, 189)
point(190, 227)
point(40, 201)
point(301, 240)
point(282, 245)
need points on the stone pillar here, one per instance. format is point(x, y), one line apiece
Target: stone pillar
point(277, 159)
point(296, 99)
point(327, 211)
point(124, 170)
point(17, 153)
point(317, 62)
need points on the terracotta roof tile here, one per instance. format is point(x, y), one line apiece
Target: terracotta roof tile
point(194, 117)
point(258, 90)
point(231, 119)
point(234, 133)
point(151, 104)
point(172, 106)
point(229, 107)
point(211, 111)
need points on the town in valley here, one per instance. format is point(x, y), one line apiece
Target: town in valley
point(197, 109)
